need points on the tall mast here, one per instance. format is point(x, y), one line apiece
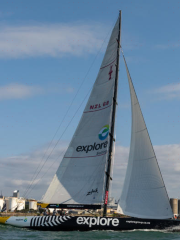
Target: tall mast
point(109, 162)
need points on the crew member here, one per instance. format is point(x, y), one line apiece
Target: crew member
point(45, 212)
point(54, 212)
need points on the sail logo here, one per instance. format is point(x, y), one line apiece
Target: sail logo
point(98, 221)
point(96, 146)
point(89, 148)
point(104, 132)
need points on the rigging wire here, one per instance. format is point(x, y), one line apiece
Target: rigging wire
point(37, 172)
point(59, 140)
point(66, 112)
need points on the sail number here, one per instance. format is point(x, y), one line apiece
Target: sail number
point(99, 105)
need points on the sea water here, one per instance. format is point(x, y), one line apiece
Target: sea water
point(8, 233)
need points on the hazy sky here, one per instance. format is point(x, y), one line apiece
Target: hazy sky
point(51, 51)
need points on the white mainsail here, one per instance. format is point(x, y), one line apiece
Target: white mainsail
point(144, 194)
point(80, 178)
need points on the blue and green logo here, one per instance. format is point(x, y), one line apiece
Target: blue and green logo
point(104, 132)
point(25, 220)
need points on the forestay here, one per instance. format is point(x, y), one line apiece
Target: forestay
point(80, 177)
point(144, 194)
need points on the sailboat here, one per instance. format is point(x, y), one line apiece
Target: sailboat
point(83, 178)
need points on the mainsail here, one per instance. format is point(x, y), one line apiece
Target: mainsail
point(144, 193)
point(80, 178)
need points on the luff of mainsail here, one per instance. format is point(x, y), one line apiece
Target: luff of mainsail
point(144, 193)
point(80, 178)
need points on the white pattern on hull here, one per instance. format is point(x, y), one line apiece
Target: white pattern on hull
point(37, 221)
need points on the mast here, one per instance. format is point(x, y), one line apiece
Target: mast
point(109, 162)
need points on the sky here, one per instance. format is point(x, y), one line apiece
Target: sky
point(50, 54)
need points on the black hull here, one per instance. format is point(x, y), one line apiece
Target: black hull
point(102, 223)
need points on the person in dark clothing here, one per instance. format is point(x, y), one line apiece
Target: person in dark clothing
point(45, 212)
point(54, 212)
point(61, 212)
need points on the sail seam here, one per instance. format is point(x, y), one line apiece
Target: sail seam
point(112, 43)
point(88, 156)
point(108, 64)
point(141, 130)
point(146, 159)
point(152, 188)
point(98, 109)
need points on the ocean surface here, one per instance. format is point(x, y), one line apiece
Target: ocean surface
point(8, 233)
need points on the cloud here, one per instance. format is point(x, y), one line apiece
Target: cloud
point(5, 14)
point(17, 172)
point(119, 170)
point(167, 46)
point(55, 40)
point(18, 91)
point(169, 161)
point(22, 91)
point(168, 92)
point(168, 157)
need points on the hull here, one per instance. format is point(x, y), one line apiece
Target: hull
point(84, 223)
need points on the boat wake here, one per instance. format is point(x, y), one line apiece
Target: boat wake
point(166, 230)
point(173, 229)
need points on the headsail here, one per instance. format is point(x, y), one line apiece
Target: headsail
point(80, 178)
point(144, 194)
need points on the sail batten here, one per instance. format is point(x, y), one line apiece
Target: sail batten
point(80, 178)
point(144, 193)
